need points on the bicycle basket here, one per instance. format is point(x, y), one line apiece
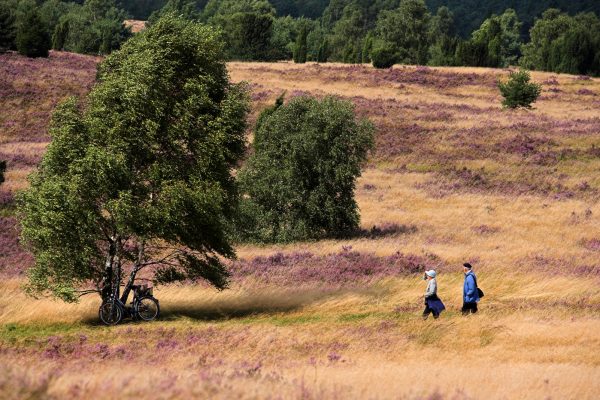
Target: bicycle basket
point(145, 291)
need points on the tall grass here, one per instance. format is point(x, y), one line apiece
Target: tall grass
point(454, 178)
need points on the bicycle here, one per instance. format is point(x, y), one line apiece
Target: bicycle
point(144, 306)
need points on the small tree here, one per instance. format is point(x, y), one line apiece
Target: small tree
point(143, 176)
point(32, 37)
point(299, 183)
point(518, 91)
point(301, 48)
point(384, 56)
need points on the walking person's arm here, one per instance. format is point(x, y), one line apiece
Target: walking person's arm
point(470, 286)
point(431, 288)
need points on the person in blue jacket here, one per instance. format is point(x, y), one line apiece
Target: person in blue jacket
point(470, 292)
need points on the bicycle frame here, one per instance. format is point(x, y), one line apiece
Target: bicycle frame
point(116, 295)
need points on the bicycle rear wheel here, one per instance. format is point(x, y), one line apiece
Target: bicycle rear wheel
point(110, 313)
point(147, 308)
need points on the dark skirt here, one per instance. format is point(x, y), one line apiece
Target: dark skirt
point(435, 304)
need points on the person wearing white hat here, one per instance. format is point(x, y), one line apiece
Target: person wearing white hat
point(433, 304)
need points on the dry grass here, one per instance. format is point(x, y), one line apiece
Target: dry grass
point(537, 334)
point(135, 25)
point(310, 344)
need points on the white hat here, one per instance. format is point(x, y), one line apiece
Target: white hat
point(431, 273)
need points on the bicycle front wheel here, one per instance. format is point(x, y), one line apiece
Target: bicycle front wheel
point(147, 308)
point(111, 313)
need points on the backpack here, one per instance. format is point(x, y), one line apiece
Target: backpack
point(479, 291)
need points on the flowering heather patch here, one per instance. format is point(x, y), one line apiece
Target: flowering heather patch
point(592, 244)
point(13, 259)
point(346, 268)
point(20, 386)
point(397, 77)
point(586, 92)
point(551, 81)
point(570, 266)
point(485, 229)
point(30, 88)
point(6, 198)
point(524, 145)
point(258, 93)
point(20, 160)
point(422, 76)
point(435, 119)
point(455, 180)
point(299, 93)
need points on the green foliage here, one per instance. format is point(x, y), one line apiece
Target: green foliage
point(247, 27)
point(250, 36)
point(562, 43)
point(407, 29)
point(299, 182)
point(52, 10)
point(184, 8)
point(384, 55)
point(94, 28)
point(283, 37)
point(347, 35)
point(367, 48)
point(472, 53)
point(138, 177)
point(300, 8)
point(32, 38)
point(518, 91)
point(349, 30)
point(495, 44)
point(443, 38)
point(143, 9)
point(499, 36)
point(301, 48)
point(323, 53)
point(7, 28)
point(470, 14)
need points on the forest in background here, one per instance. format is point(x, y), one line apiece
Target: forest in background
point(550, 35)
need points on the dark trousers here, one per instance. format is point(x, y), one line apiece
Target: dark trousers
point(468, 308)
point(428, 311)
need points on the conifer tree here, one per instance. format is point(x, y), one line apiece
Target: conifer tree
point(32, 38)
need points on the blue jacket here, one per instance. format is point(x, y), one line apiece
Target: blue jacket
point(470, 294)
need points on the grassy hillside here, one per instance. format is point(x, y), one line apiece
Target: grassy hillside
point(29, 90)
point(453, 178)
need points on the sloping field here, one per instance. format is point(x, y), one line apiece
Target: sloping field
point(454, 178)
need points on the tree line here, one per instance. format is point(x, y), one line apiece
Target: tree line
point(382, 32)
point(33, 27)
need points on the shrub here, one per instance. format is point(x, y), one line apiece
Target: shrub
point(299, 183)
point(518, 91)
point(384, 56)
point(32, 38)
